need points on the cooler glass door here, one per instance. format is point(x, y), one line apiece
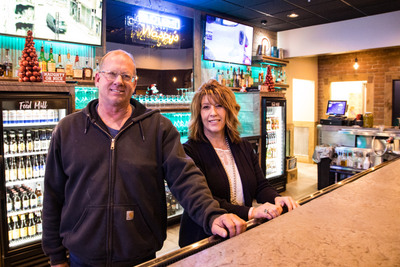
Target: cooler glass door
point(27, 123)
point(275, 128)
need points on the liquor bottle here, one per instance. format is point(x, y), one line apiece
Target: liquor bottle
point(87, 71)
point(24, 227)
point(21, 141)
point(13, 142)
point(38, 221)
point(69, 70)
point(51, 63)
point(223, 79)
point(9, 203)
point(39, 195)
point(36, 168)
point(13, 170)
point(28, 168)
point(60, 67)
point(29, 141)
point(78, 72)
point(234, 78)
point(31, 225)
point(16, 228)
point(367, 162)
point(6, 144)
point(10, 229)
point(16, 70)
point(8, 65)
point(42, 60)
point(21, 169)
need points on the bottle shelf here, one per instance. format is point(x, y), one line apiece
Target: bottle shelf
point(271, 60)
point(13, 213)
point(25, 181)
point(26, 240)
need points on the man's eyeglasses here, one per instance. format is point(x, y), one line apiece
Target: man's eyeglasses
point(111, 76)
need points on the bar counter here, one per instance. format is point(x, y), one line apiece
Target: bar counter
point(357, 224)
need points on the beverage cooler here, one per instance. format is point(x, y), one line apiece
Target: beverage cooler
point(273, 140)
point(27, 123)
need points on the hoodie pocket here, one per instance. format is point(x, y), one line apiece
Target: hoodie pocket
point(89, 235)
point(132, 237)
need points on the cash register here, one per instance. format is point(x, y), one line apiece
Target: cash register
point(335, 111)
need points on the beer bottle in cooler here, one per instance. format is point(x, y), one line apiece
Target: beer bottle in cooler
point(7, 170)
point(35, 166)
point(16, 200)
point(13, 142)
point(25, 199)
point(9, 203)
point(28, 168)
point(42, 165)
point(21, 141)
point(43, 139)
point(16, 228)
point(29, 141)
point(36, 141)
point(21, 169)
point(6, 143)
point(10, 229)
point(31, 225)
point(24, 227)
point(39, 194)
point(33, 199)
point(13, 170)
point(38, 221)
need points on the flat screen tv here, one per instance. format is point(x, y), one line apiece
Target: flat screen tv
point(227, 41)
point(336, 107)
point(68, 21)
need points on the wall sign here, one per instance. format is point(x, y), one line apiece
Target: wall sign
point(150, 28)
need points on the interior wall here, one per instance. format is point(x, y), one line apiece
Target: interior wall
point(379, 67)
point(369, 32)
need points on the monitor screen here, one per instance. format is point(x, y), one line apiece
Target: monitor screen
point(227, 41)
point(336, 107)
point(69, 21)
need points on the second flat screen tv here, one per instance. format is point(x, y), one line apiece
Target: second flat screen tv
point(227, 41)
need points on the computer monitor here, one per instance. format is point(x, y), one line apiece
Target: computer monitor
point(336, 107)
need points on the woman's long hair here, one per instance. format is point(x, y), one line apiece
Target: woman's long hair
point(219, 94)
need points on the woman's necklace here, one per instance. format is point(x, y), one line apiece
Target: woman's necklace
point(233, 191)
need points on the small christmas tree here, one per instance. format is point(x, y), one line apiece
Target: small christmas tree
point(269, 80)
point(29, 70)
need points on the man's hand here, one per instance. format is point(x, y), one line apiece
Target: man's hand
point(228, 224)
point(288, 201)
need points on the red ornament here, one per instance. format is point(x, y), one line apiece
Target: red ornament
point(29, 61)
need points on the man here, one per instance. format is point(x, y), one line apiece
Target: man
point(104, 197)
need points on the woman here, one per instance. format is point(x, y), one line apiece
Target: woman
point(227, 161)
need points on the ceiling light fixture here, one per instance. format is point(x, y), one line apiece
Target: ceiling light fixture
point(293, 15)
point(355, 66)
point(264, 22)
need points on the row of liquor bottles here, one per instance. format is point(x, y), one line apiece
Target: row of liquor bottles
point(26, 141)
point(24, 168)
point(74, 69)
point(20, 116)
point(173, 206)
point(352, 158)
point(24, 226)
point(20, 198)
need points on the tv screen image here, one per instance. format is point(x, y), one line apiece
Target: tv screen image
point(336, 107)
point(227, 41)
point(69, 21)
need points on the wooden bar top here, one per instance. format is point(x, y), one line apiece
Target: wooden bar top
point(357, 224)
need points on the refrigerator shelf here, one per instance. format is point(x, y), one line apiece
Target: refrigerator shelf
point(34, 124)
point(26, 181)
point(18, 243)
point(12, 213)
point(25, 154)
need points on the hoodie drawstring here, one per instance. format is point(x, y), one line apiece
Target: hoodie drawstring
point(87, 124)
point(141, 130)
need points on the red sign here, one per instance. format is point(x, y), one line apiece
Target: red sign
point(53, 77)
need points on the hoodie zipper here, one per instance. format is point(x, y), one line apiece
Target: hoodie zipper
point(111, 184)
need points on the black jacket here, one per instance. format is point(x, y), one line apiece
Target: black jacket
point(104, 197)
point(255, 185)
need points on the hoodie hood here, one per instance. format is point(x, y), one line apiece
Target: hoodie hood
point(140, 112)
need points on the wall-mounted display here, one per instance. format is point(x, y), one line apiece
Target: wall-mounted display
point(227, 41)
point(70, 21)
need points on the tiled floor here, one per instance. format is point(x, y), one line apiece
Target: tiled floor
point(305, 185)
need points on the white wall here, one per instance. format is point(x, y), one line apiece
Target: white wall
point(303, 100)
point(357, 34)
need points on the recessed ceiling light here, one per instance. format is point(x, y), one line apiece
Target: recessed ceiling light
point(293, 15)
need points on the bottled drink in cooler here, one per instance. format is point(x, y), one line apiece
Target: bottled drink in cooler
point(21, 169)
point(29, 141)
point(6, 144)
point(39, 194)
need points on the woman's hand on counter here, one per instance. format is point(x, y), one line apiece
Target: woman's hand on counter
point(286, 201)
point(266, 210)
point(228, 224)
